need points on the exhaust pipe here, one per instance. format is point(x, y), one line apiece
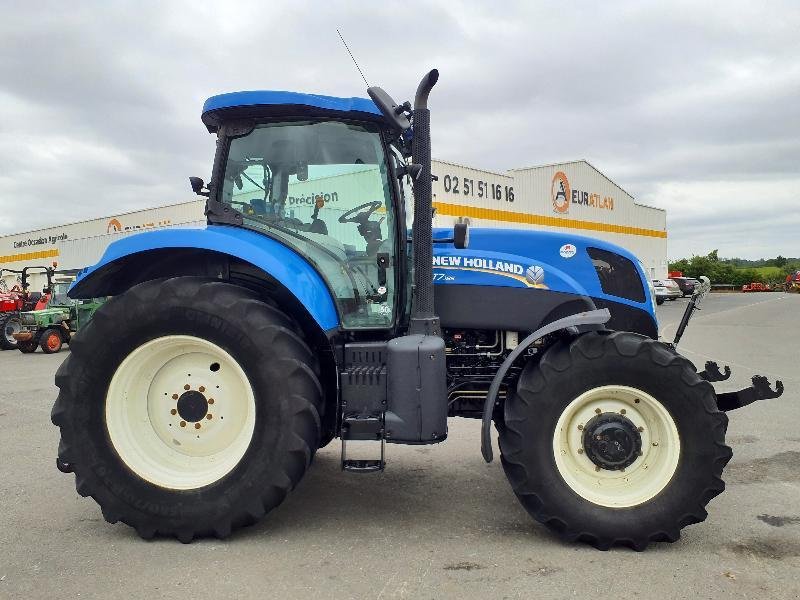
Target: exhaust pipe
point(423, 319)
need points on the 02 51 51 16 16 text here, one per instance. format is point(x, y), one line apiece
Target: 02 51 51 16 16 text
point(464, 186)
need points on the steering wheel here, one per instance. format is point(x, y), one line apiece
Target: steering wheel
point(350, 215)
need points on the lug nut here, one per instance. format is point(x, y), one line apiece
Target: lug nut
point(183, 423)
point(640, 429)
point(211, 401)
point(197, 425)
point(580, 427)
point(187, 387)
point(174, 396)
point(173, 412)
point(598, 411)
point(580, 450)
point(597, 468)
point(201, 389)
point(623, 411)
point(208, 416)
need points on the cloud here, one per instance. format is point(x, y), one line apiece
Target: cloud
point(101, 103)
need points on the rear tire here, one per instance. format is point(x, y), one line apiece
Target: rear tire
point(51, 341)
point(550, 456)
point(9, 324)
point(188, 337)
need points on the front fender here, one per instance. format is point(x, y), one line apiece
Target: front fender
point(280, 262)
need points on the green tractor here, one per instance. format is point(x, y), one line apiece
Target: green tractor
point(54, 326)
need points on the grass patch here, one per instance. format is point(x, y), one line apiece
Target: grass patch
point(765, 272)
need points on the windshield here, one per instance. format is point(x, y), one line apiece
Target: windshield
point(60, 294)
point(322, 187)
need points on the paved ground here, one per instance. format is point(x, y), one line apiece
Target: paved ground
point(438, 523)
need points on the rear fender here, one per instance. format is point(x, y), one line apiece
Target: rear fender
point(149, 255)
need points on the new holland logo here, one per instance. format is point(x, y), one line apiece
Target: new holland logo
point(560, 193)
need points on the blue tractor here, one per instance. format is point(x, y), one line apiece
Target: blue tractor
point(196, 398)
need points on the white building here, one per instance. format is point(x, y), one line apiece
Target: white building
point(572, 197)
point(77, 245)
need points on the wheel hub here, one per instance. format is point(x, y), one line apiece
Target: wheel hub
point(192, 406)
point(611, 441)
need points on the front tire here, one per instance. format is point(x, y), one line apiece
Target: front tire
point(187, 408)
point(9, 325)
point(28, 347)
point(614, 439)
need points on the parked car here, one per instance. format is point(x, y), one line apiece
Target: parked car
point(666, 289)
point(686, 285)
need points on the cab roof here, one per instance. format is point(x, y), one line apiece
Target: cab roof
point(279, 103)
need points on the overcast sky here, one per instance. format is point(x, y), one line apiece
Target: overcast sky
point(688, 108)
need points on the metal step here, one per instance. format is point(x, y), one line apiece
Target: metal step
point(363, 465)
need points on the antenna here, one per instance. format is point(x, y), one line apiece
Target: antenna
point(360, 72)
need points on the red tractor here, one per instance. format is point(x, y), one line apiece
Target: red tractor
point(755, 286)
point(17, 299)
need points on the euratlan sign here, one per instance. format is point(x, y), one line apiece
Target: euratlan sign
point(563, 196)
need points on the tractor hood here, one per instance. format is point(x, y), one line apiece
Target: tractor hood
point(560, 262)
point(49, 315)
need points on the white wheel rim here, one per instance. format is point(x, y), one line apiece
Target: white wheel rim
point(641, 481)
point(156, 440)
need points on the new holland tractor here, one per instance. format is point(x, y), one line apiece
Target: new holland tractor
point(197, 396)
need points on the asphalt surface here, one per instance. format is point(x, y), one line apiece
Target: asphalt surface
point(439, 522)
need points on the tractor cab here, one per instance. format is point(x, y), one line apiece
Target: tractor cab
point(317, 174)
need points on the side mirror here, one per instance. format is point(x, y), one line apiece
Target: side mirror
point(461, 236)
point(412, 170)
point(198, 186)
point(394, 113)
